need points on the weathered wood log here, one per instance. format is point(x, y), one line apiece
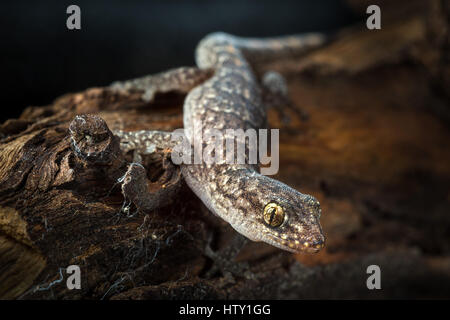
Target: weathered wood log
point(374, 151)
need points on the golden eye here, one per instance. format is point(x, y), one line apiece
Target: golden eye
point(273, 214)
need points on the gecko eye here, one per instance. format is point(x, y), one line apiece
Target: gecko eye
point(273, 214)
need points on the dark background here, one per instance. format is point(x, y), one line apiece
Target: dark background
point(41, 59)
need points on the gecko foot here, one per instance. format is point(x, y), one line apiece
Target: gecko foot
point(223, 260)
point(276, 96)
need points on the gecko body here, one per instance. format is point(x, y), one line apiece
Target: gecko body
point(238, 193)
point(257, 206)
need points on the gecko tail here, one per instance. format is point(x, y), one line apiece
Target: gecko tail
point(257, 51)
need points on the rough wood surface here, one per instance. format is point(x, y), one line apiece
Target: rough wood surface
point(374, 151)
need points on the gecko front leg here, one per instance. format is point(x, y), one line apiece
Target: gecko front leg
point(145, 142)
point(223, 260)
point(139, 190)
point(136, 186)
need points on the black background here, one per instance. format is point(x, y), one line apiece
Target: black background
point(41, 59)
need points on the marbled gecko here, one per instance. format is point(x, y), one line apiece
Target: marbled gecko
point(257, 206)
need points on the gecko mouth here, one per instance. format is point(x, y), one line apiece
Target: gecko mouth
point(297, 246)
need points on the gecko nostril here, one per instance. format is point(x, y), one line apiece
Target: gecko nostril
point(318, 243)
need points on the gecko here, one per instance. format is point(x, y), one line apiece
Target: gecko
point(257, 206)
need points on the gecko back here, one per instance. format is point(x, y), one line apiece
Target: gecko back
point(259, 207)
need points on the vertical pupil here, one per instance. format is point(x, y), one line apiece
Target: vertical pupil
point(272, 212)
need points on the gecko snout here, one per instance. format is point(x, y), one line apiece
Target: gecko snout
point(315, 245)
point(316, 238)
point(313, 239)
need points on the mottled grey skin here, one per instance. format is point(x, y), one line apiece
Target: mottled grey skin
point(180, 79)
point(232, 99)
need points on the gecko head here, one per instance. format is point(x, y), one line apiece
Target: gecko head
point(286, 218)
point(292, 226)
